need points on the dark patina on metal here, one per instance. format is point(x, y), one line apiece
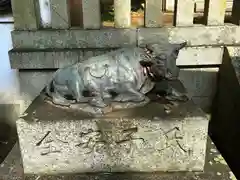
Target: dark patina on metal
point(119, 79)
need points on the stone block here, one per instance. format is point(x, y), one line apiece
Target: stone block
point(60, 15)
point(194, 56)
point(184, 13)
point(91, 14)
point(143, 139)
point(74, 38)
point(122, 13)
point(214, 12)
point(57, 58)
point(197, 35)
point(153, 13)
point(199, 82)
point(45, 59)
point(26, 14)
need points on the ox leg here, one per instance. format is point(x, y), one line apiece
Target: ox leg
point(59, 99)
point(175, 95)
point(97, 100)
point(130, 94)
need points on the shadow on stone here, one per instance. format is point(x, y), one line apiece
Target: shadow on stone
point(224, 126)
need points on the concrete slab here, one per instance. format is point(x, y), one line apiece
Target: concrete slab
point(163, 142)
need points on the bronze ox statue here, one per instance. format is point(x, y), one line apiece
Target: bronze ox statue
point(123, 75)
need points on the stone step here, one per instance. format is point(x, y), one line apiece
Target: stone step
point(57, 140)
point(58, 58)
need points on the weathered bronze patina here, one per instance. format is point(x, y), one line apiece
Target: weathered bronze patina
point(122, 76)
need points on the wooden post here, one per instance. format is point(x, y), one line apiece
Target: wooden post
point(122, 13)
point(214, 12)
point(184, 12)
point(153, 13)
point(91, 14)
point(60, 15)
point(26, 14)
point(236, 12)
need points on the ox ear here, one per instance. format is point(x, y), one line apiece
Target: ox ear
point(145, 63)
point(181, 45)
point(151, 47)
point(154, 48)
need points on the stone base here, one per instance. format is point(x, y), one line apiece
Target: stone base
point(143, 139)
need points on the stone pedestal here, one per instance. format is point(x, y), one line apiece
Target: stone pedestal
point(144, 139)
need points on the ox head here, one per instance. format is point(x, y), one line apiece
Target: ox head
point(162, 64)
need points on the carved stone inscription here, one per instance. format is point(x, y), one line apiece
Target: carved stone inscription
point(113, 145)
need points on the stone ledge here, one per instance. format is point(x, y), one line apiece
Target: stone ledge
point(50, 58)
point(58, 58)
point(171, 142)
point(74, 38)
point(197, 35)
